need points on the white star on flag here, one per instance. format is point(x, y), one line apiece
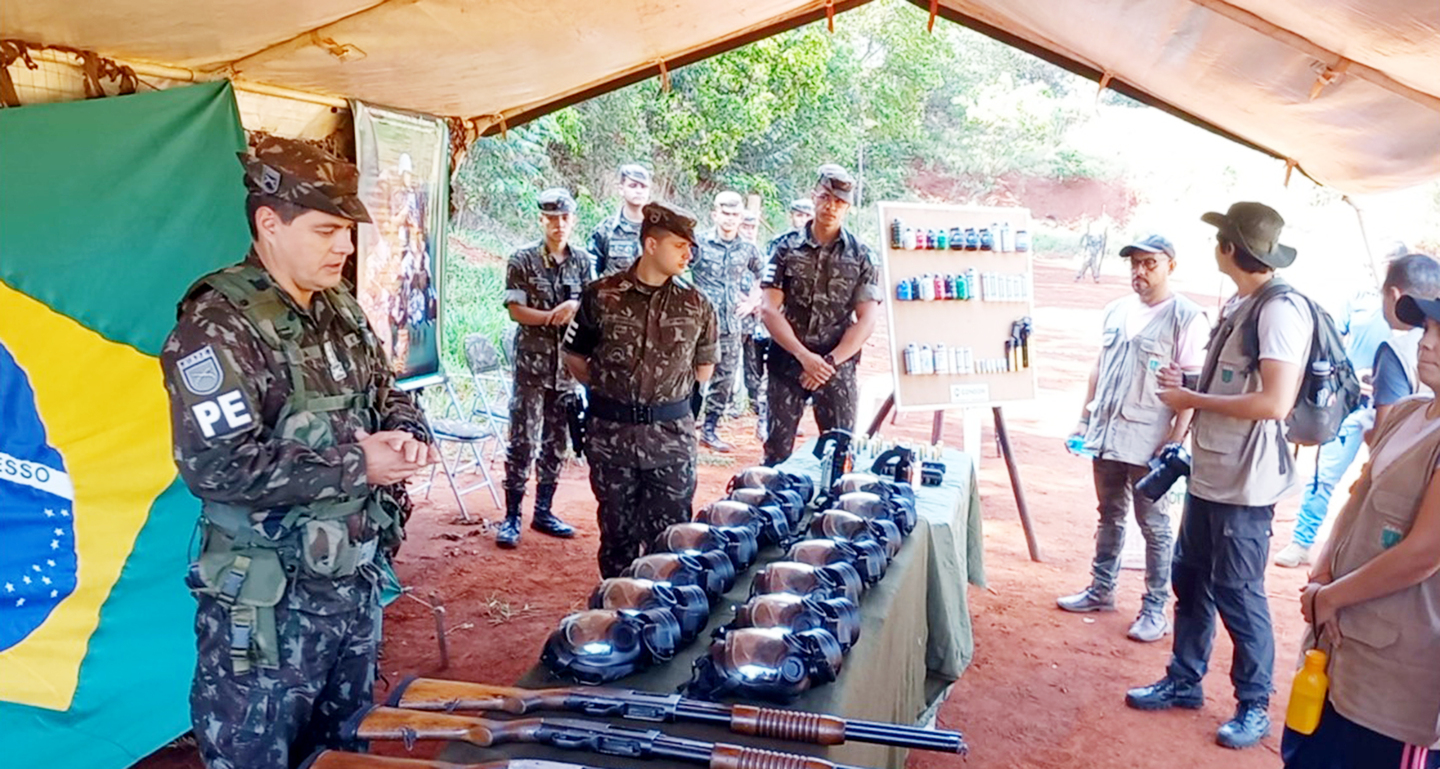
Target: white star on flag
point(54, 544)
point(59, 532)
point(35, 567)
point(54, 593)
point(26, 580)
point(46, 580)
point(64, 513)
point(50, 563)
point(49, 513)
point(9, 587)
point(19, 602)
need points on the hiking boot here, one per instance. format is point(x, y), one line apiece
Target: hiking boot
point(709, 439)
point(1165, 694)
point(1293, 556)
point(1250, 725)
point(509, 534)
point(1150, 626)
point(1087, 600)
point(545, 521)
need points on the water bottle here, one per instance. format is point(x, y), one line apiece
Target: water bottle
point(1320, 385)
point(972, 239)
point(1307, 694)
point(930, 240)
point(903, 291)
point(1076, 445)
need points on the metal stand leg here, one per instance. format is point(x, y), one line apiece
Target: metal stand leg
point(1004, 438)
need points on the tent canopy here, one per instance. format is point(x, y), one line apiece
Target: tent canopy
point(1349, 90)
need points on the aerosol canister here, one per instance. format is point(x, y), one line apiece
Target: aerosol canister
point(950, 287)
point(972, 239)
point(926, 360)
point(930, 239)
point(1006, 243)
point(1022, 240)
point(927, 289)
point(942, 359)
point(957, 239)
point(913, 237)
point(960, 286)
point(942, 239)
point(972, 284)
point(969, 367)
point(937, 287)
point(897, 233)
point(912, 358)
point(957, 360)
point(987, 239)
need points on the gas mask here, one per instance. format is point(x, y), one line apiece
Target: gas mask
point(765, 663)
point(769, 523)
point(875, 484)
point(870, 505)
point(866, 556)
point(839, 524)
point(761, 477)
point(786, 500)
point(710, 571)
point(837, 616)
point(736, 542)
point(597, 646)
point(837, 580)
point(686, 602)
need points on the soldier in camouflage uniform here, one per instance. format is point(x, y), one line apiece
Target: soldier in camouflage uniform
point(542, 292)
point(615, 243)
point(822, 299)
point(288, 427)
point(643, 340)
point(724, 264)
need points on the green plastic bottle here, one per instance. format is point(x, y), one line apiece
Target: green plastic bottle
point(1307, 695)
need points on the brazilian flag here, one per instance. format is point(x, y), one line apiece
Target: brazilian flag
point(109, 209)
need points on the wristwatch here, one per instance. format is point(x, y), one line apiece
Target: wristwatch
point(830, 359)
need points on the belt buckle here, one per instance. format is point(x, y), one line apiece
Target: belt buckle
point(640, 413)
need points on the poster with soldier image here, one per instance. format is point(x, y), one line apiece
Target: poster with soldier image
point(404, 181)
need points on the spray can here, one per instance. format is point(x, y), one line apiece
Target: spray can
point(897, 231)
point(942, 359)
point(1022, 240)
point(972, 239)
point(904, 292)
point(926, 360)
point(957, 239)
point(912, 364)
point(942, 240)
point(1006, 243)
point(987, 238)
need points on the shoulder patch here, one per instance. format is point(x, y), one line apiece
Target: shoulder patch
point(200, 371)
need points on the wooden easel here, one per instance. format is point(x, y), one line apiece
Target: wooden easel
point(937, 430)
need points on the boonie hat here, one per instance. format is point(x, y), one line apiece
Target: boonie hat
point(668, 217)
point(556, 201)
point(837, 181)
point(1150, 244)
point(304, 175)
point(1255, 226)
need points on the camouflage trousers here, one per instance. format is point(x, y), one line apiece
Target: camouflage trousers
point(755, 367)
point(635, 505)
point(275, 718)
point(537, 418)
point(835, 405)
point(722, 382)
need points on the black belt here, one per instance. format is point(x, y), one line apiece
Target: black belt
point(636, 413)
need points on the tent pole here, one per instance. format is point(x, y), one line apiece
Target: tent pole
point(1375, 271)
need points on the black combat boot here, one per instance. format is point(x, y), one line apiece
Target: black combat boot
point(545, 521)
point(509, 534)
point(710, 439)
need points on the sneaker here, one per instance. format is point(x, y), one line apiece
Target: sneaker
point(1087, 600)
point(1293, 556)
point(1165, 694)
point(1250, 725)
point(1149, 627)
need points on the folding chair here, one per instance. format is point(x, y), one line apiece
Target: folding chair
point(464, 433)
point(493, 385)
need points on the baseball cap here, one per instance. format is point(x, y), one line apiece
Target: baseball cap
point(1255, 226)
point(1150, 244)
point(803, 205)
point(750, 217)
point(837, 181)
point(304, 175)
point(1412, 310)
point(636, 172)
point(728, 199)
point(668, 217)
point(556, 200)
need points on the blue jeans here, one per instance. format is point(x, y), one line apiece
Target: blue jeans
point(1335, 458)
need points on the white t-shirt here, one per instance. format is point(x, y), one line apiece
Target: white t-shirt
point(1407, 435)
point(1285, 328)
point(1190, 354)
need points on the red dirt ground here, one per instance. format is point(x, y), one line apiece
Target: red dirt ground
point(1045, 690)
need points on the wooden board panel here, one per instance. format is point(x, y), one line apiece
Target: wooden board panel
point(981, 325)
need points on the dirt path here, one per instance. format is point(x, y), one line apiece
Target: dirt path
point(1045, 690)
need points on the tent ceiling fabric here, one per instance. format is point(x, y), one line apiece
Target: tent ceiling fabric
point(1246, 67)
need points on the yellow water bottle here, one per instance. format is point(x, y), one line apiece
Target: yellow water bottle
point(1307, 695)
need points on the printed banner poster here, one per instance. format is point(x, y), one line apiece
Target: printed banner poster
point(404, 161)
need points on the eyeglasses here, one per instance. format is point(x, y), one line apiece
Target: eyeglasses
point(1148, 265)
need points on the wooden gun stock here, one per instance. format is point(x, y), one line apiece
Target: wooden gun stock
point(736, 757)
point(338, 759)
point(436, 694)
point(385, 723)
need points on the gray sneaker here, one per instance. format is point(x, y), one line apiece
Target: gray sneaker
point(1087, 600)
point(1150, 626)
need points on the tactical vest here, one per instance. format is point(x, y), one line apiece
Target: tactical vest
point(1385, 669)
point(245, 565)
point(1129, 422)
point(1238, 461)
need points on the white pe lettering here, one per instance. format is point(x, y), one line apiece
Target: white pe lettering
point(229, 408)
point(233, 406)
point(207, 413)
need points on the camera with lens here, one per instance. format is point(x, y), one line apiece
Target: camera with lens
point(1166, 468)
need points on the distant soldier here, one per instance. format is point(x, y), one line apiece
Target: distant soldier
point(822, 299)
point(643, 340)
point(724, 266)
point(802, 211)
point(749, 226)
point(542, 292)
point(288, 427)
point(615, 243)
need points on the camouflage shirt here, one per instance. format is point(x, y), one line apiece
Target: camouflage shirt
point(823, 284)
point(643, 344)
point(724, 271)
point(227, 390)
point(534, 279)
point(615, 244)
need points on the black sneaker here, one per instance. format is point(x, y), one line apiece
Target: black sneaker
point(1165, 694)
point(1250, 725)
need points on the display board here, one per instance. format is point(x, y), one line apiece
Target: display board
point(960, 317)
point(404, 161)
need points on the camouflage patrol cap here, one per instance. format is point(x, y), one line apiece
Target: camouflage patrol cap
point(750, 217)
point(556, 200)
point(636, 172)
point(802, 206)
point(836, 181)
point(304, 175)
point(668, 217)
point(729, 199)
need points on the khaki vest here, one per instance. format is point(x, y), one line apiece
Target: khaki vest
point(1238, 461)
point(1129, 422)
point(1385, 670)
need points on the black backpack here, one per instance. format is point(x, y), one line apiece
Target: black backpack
point(1329, 388)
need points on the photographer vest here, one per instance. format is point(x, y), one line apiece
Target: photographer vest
point(1385, 670)
point(1128, 422)
point(1238, 461)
